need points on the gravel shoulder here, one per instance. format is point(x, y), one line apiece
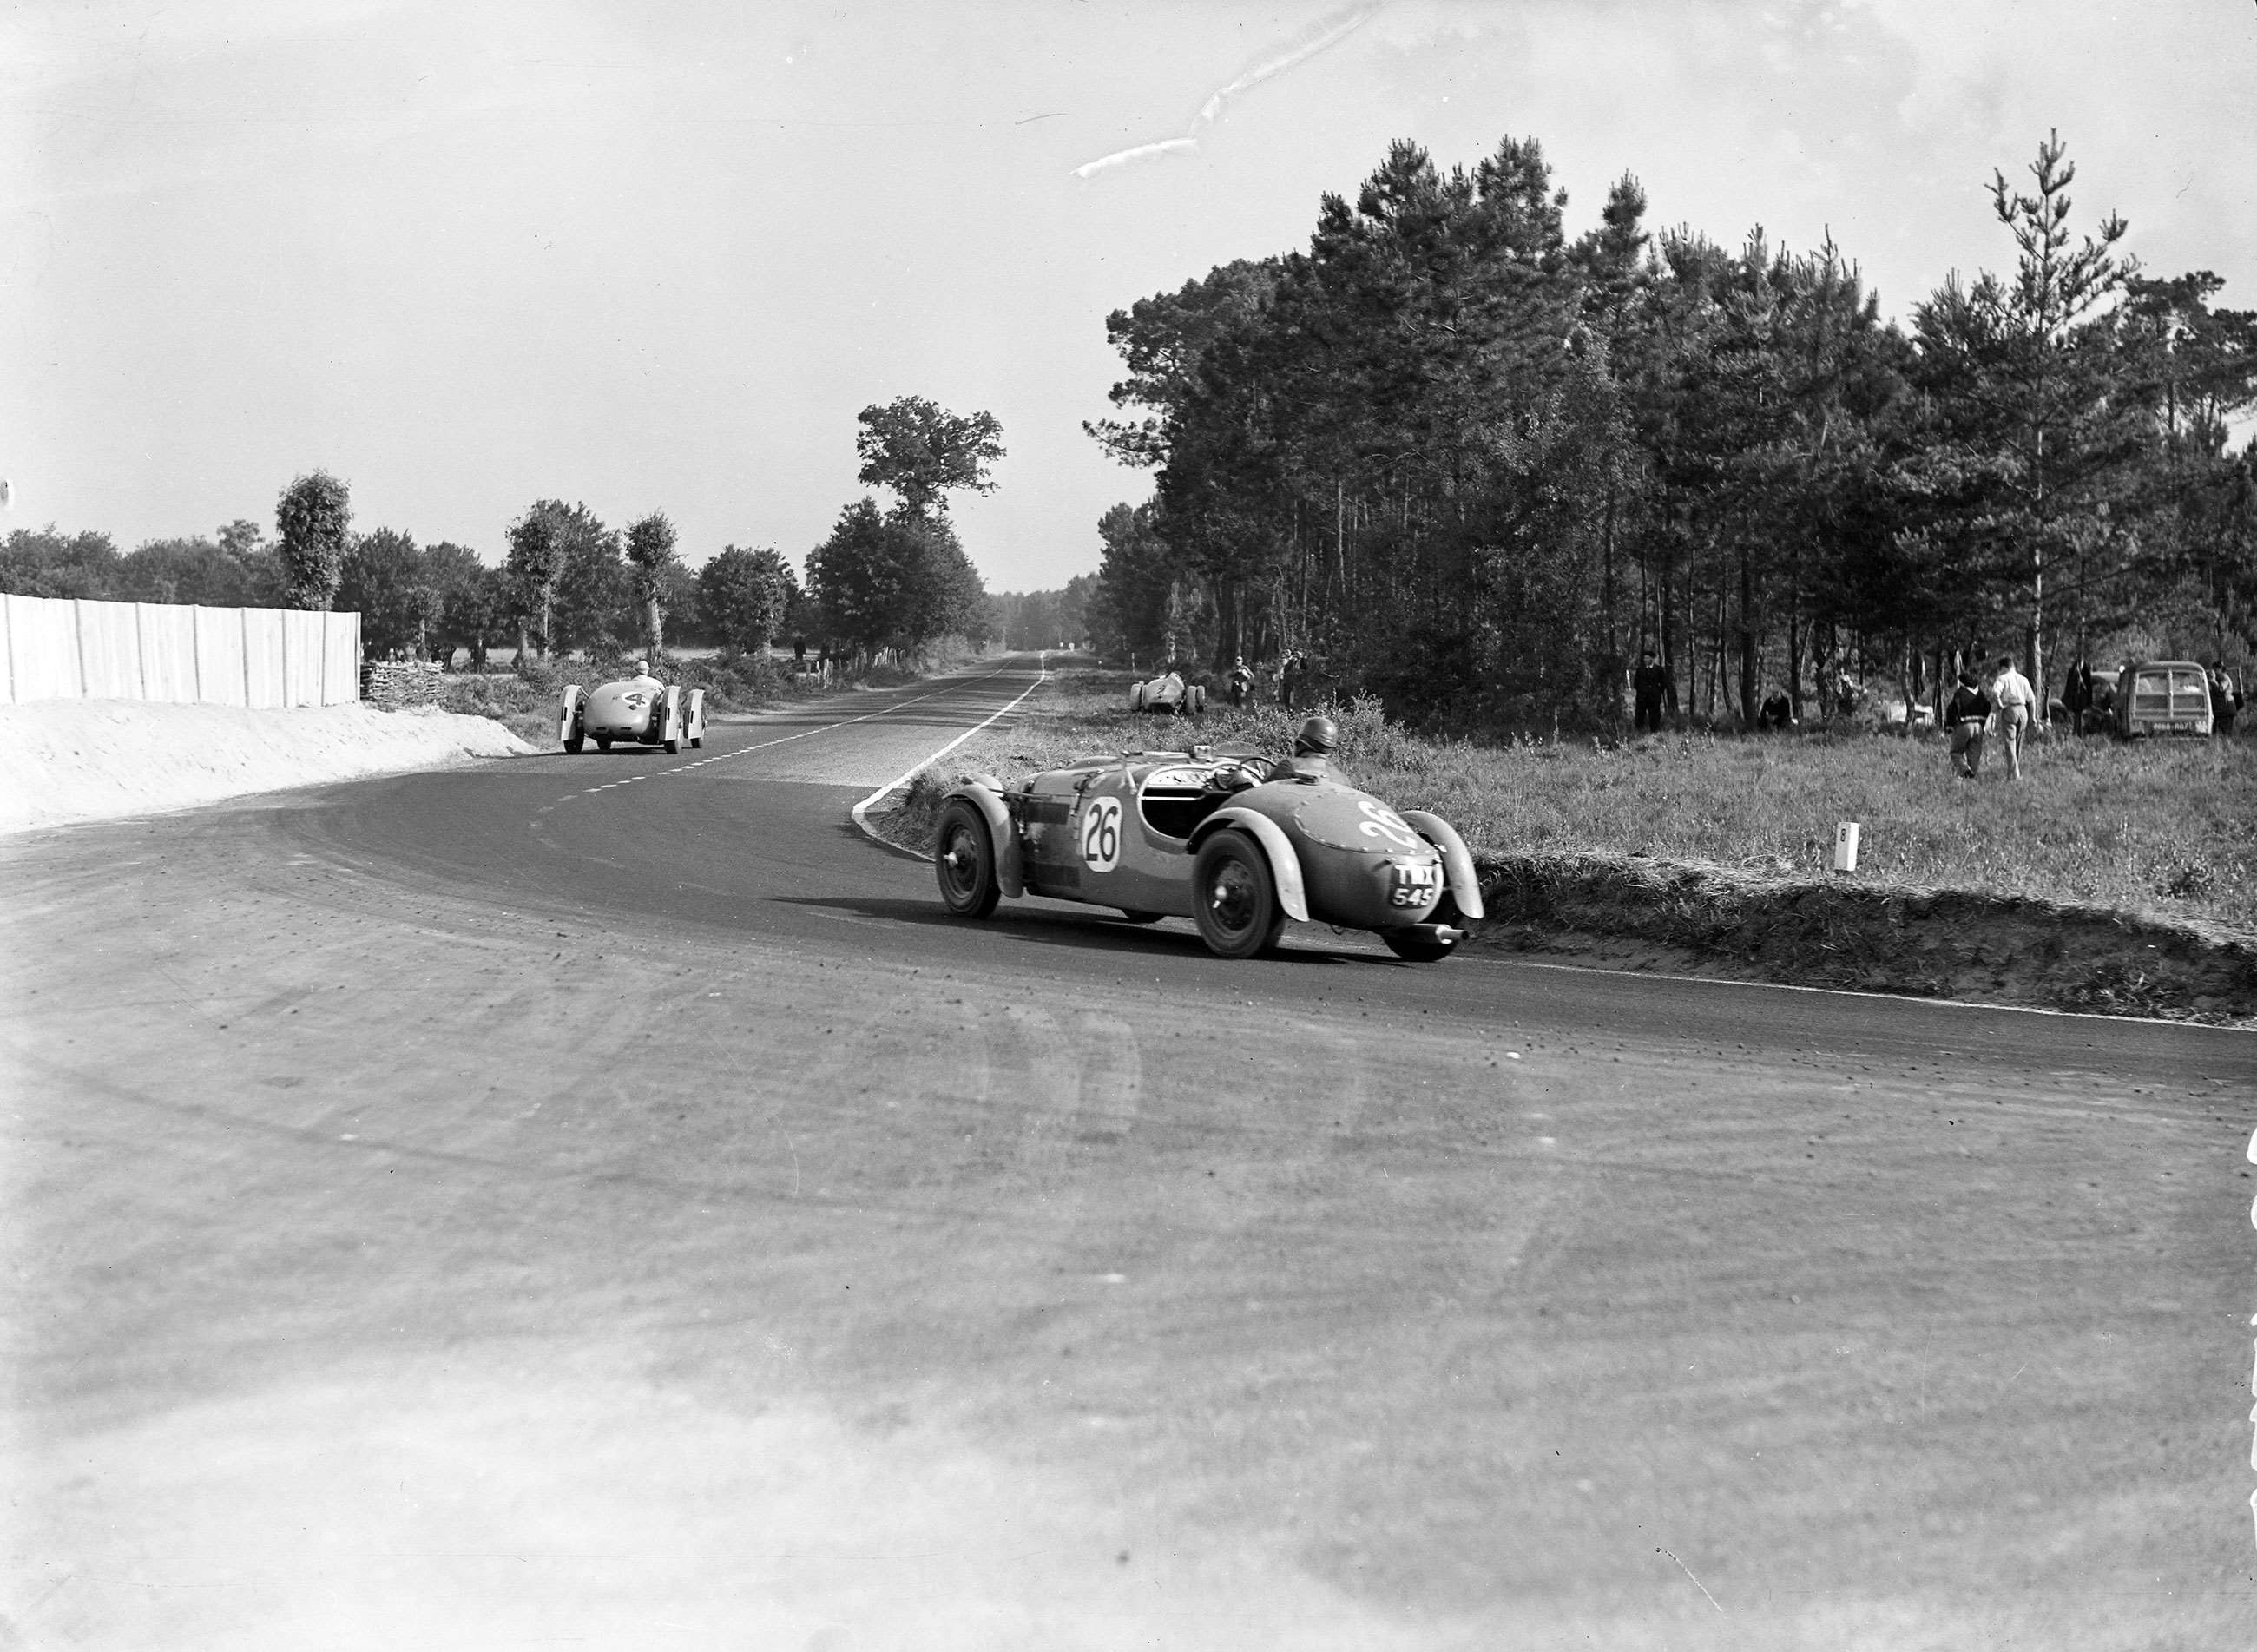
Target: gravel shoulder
point(80, 761)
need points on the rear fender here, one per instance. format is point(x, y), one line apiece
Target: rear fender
point(1284, 865)
point(1457, 860)
point(1001, 833)
point(670, 722)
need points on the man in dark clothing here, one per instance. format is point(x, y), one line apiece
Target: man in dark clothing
point(1241, 682)
point(1776, 712)
point(1649, 686)
point(1966, 717)
point(2224, 699)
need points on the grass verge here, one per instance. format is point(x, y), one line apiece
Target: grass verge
point(2114, 877)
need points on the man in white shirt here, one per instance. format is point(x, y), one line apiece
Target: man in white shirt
point(2017, 702)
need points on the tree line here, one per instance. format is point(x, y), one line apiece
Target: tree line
point(1479, 467)
point(883, 580)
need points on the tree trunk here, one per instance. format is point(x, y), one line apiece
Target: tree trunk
point(1747, 639)
point(653, 628)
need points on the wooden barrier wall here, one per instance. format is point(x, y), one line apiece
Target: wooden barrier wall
point(265, 658)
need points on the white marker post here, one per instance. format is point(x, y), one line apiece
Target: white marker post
point(1845, 846)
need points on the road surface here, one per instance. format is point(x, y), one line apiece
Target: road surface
point(604, 1202)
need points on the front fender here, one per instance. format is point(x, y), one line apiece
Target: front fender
point(1284, 865)
point(990, 801)
point(1457, 860)
point(696, 713)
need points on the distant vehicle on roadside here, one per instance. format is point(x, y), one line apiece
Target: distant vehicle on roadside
point(1168, 695)
point(2162, 696)
point(638, 708)
point(1233, 840)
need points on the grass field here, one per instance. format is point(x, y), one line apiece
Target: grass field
point(2158, 829)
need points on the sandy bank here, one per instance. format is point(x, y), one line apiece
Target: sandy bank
point(72, 761)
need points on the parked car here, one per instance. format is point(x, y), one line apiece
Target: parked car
point(2162, 696)
point(638, 708)
point(1228, 839)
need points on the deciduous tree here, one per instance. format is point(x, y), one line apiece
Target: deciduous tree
point(923, 452)
point(314, 519)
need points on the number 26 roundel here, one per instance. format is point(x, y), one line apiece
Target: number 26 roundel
point(1100, 835)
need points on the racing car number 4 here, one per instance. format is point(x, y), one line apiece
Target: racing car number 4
point(1100, 835)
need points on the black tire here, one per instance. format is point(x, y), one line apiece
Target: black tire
point(577, 740)
point(1417, 949)
point(964, 861)
point(673, 746)
point(1233, 897)
point(602, 743)
point(695, 740)
point(1133, 916)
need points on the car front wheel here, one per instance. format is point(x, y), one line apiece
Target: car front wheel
point(963, 862)
point(1235, 899)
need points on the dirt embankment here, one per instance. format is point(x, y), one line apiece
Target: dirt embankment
point(1875, 938)
point(75, 760)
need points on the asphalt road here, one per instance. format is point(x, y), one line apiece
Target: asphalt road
point(604, 1202)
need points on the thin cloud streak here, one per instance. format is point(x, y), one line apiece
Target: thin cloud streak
point(1123, 156)
point(1325, 34)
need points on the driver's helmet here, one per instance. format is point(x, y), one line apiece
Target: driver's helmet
point(1319, 738)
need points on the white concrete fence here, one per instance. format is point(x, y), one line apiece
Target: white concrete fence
point(265, 658)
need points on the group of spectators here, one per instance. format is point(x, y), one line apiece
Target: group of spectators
point(2006, 700)
point(1302, 681)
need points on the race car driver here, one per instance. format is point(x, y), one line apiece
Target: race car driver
point(1313, 746)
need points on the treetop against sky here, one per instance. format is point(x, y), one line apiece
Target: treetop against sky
point(659, 258)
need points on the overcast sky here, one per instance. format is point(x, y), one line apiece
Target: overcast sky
point(656, 256)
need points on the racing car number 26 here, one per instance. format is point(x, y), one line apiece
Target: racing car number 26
point(1100, 835)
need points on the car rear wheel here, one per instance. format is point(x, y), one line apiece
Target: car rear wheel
point(1235, 899)
point(602, 743)
point(1420, 949)
point(963, 862)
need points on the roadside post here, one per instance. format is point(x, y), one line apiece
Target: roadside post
point(1845, 846)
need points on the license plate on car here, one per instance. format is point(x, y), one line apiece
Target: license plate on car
point(1416, 885)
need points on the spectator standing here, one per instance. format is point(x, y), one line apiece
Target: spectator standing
point(2076, 695)
point(2224, 699)
point(2017, 703)
point(1288, 679)
point(1241, 682)
point(1649, 686)
point(1966, 717)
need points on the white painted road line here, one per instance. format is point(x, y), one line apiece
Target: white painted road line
point(859, 812)
point(848, 722)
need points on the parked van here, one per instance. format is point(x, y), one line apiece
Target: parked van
point(2162, 696)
